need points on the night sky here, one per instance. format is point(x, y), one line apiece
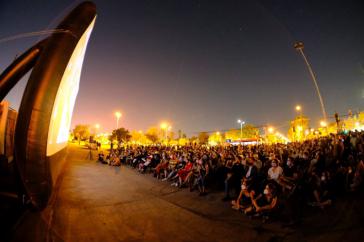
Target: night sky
point(203, 64)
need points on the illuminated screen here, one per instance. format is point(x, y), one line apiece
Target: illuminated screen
point(66, 96)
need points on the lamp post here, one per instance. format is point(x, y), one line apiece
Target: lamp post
point(241, 128)
point(299, 47)
point(164, 126)
point(117, 115)
point(299, 110)
point(323, 124)
point(218, 137)
point(169, 130)
point(97, 127)
point(270, 130)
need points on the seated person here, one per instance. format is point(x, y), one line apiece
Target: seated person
point(107, 160)
point(275, 171)
point(358, 175)
point(173, 167)
point(145, 163)
point(162, 167)
point(244, 197)
point(251, 173)
point(102, 157)
point(319, 188)
point(235, 171)
point(184, 172)
point(264, 204)
point(192, 178)
point(115, 161)
point(288, 178)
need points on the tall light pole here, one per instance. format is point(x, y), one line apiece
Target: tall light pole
point(169, 130)
point(241, 128)
point(165, 126)
point(117, 115)
point(97, 127)
point(299, 109)
point(299, 47)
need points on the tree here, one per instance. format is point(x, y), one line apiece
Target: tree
point(298, 127)
point(250, 131)
point(81, 132)
point(203, 137)
point(121, 135)
point(137, 137)
point(171, 135)
point(216, 138)
point(193, 139)
point(152, 135)
point(233, 134)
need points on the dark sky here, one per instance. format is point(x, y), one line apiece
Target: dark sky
point(203, 64)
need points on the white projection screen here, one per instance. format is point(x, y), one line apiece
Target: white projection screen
point(66, 97)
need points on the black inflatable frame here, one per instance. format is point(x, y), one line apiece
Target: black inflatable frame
point(49, 59)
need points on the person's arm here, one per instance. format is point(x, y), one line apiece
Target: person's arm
point(267, 207)
point(254, 201)
point(240, 196)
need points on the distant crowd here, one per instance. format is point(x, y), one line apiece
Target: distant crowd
point(258, 179)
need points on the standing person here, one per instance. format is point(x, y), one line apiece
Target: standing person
point(203, 170)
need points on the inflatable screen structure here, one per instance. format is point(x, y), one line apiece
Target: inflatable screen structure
point(46, 108)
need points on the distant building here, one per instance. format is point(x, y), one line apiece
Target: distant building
point(7, 130)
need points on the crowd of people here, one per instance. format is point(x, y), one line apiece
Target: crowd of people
point(258, 180)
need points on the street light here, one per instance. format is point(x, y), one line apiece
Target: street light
point(323, 123)
point(299, 110)
point(169, 130)
point(117, 115)
point(270, 129)
point(299, 47)
point(241, 128)
point(165, 126)
point(97, 127)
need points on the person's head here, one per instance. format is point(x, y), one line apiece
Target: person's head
point(274, 163)
point(250, 161)
point(305, 155)
point(269, 190)
point(272, 156)
point(289, 162)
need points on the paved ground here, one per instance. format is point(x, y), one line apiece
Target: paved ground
point(96, 202)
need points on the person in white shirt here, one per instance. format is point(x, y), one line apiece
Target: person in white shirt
point(275, 171)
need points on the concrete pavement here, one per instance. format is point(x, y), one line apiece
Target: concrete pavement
point(96, 202)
